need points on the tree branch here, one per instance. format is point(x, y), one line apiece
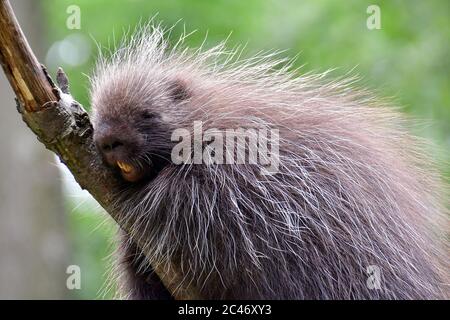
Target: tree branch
point(63, 126)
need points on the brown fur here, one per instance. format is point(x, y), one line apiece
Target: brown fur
point(354, 188)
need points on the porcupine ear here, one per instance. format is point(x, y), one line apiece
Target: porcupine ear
point(179, 90)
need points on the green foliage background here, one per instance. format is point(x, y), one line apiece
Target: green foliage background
point(408, 60)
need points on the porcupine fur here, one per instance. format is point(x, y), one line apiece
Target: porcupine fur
point(354, 188)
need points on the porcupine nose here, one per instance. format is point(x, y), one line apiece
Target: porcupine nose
point(112, 147)
point(110, 140)
point(109, 143)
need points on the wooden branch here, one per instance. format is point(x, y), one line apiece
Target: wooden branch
point(19, 63)
point(63, 126)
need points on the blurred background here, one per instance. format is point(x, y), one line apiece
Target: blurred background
point(48, 223)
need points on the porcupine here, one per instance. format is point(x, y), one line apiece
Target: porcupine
point(354, 189)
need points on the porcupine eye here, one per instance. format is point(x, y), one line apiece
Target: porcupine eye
point(147, 114)
point(179, 90)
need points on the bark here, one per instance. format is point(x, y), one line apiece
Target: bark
point(63, 126)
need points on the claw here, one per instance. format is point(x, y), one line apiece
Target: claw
point(62, 80)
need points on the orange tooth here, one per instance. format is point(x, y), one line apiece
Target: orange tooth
point(124, 166)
